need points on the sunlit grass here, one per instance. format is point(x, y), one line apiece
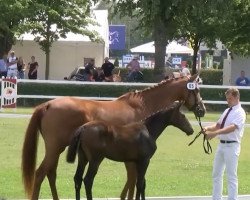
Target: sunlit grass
point(175, 169)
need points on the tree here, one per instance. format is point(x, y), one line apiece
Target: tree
point(236, 38)
point(50, 20)
point(155, 17)
point(11, 20)
point(199, 21)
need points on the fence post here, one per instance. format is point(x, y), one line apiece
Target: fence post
point(8, 92)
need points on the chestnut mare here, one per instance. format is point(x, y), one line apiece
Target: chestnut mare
point(59, 118)
point(135, 142)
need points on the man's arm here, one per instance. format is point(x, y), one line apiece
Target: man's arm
point(225, 130)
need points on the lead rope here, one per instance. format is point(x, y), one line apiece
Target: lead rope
point(206, 145)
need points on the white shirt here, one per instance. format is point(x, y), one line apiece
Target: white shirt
point(185, 72)
point(11, 59)
point(237, 116)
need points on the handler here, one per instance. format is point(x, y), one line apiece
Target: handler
point(229, 130)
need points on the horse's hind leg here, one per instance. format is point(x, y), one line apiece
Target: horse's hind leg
point(48, 167)
point(89, 177)
point(52, 181)
point(131, 181)
point(39, 177)
point(82, 162)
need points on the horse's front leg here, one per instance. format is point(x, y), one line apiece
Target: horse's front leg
point(141, 182)
point(89, 177)
point(131, 181)
point(82, 162)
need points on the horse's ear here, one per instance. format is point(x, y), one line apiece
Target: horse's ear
point(177, 104)
point(194, 77)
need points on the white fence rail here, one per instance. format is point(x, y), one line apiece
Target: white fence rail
point(118, 84)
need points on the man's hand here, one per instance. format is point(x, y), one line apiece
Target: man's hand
point(211, 134)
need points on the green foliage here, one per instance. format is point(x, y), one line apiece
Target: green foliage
point(212, 76)
point(238, 27)
point(12, 14)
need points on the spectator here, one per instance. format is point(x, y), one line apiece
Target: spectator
point(133, 68)
point(116, 63)
point(12, 65)
point(3, 67)
point(20, 68)
point(185, 72)
point(242, 80)
point(32, 66)
point(107, 68)
point(229, 130)
point(89, 70)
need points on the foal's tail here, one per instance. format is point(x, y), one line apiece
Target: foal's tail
point(30, 148)
point(74, 146)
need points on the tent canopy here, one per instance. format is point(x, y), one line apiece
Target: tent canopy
point(172, 48)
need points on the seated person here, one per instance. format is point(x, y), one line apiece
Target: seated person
point(133, 67)
point(107, 68)
point(88, 71)
point(242, 80)
point(185, 72)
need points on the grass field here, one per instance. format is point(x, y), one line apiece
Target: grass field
point(176, 168)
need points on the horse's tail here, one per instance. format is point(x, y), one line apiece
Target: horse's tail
point(74, 146)
point(30, 149)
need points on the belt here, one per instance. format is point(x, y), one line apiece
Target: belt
point(227, 141)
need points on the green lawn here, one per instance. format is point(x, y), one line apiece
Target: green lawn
point(175, 169)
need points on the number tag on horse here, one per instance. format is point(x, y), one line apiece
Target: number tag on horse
point(191, 86)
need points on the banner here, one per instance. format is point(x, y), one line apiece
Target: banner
point(8, 92)
point(117, 37)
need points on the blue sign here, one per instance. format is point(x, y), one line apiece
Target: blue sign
point(117, 37)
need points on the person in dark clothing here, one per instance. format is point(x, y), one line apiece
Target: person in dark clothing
point(33, 66)
point(107, 68)
point(89, 69)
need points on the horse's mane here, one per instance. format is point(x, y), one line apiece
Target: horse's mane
point(138, 93)
point(173, 106)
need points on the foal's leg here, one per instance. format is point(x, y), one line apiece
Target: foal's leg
point(131, 181)
point(82, 162)
point(89, 177)
point(140, 185)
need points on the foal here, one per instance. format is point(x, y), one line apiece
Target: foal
point(135, 142)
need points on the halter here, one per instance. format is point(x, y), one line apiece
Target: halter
point(191, 90)
point(196, 108)
point(206, 145)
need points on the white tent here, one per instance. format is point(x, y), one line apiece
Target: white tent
point(172, 48)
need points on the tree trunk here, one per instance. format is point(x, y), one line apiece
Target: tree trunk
point(160, 43)
point(196, 46)
point(47, 54)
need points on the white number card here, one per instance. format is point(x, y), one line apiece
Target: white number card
point(191, 86)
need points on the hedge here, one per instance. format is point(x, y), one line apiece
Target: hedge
point(209, 77)
point(83, 90)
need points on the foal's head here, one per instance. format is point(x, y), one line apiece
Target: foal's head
point(179, 120)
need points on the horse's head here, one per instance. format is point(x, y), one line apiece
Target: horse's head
point(193, 100)
point(179, 120)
